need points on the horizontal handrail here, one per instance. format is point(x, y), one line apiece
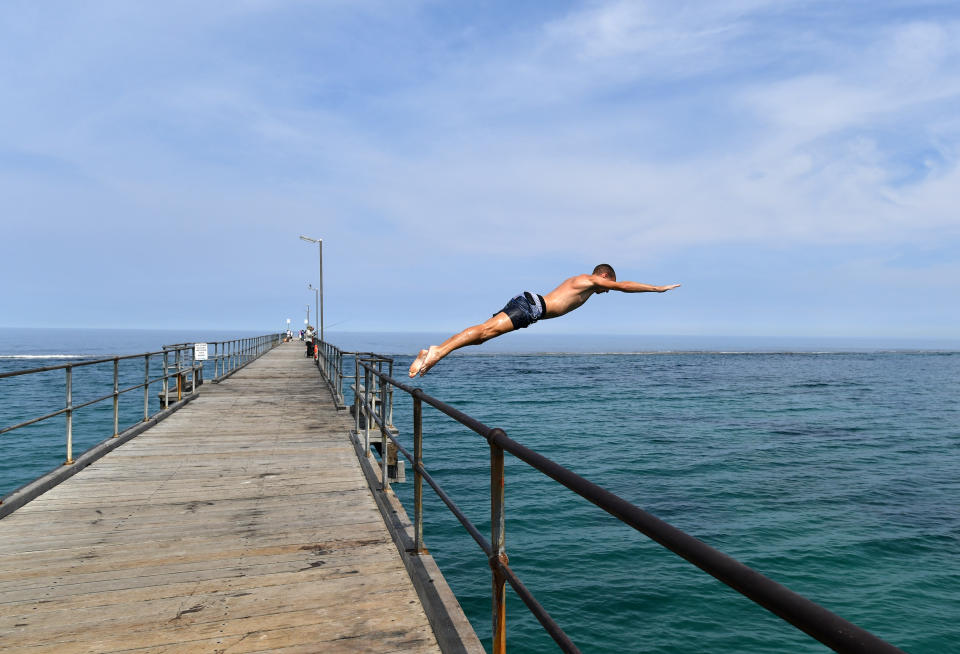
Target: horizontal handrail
point(79, 364)
point(804, 614)
point(34, 421)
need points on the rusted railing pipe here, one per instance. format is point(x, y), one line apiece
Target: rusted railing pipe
point(116, 397)
point(417, 475)
point(498, 555)
point(69, 460)
point(385, 478)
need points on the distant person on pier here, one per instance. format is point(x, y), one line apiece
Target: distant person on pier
point(527, 308)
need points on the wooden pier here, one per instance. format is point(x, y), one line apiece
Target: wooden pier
point(244, 522)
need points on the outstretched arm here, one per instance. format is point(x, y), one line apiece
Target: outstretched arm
point(628, 287)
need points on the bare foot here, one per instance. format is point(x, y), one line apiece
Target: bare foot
point(417, 363)
point(433, 356)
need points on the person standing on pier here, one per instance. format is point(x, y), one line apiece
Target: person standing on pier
point(527, 308)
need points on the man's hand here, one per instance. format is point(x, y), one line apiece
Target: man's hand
point(661, 289)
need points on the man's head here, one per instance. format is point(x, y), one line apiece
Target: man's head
point(605, 270)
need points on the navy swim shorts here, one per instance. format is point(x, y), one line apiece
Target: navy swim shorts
point(524, 309)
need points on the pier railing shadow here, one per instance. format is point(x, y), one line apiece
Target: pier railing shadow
point(182, 374)
point(373, 386)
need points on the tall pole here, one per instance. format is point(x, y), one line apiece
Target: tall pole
point(316, 300)
point(320, 253)
point(319, 242)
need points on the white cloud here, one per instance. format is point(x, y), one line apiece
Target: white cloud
point(661, 30)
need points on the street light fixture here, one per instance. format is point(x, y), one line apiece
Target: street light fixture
point(319, 242)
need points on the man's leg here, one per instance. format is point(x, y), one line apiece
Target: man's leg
point(495, 326)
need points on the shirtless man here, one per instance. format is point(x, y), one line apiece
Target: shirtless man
point(527, 308)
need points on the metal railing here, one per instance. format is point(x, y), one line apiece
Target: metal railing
point(178, 364)
point(230, 356)
point(329, 360)
point(373, 399)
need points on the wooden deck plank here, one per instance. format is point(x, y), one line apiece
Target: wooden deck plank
point(241, 522)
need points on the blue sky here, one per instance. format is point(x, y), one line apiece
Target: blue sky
point(793, 164)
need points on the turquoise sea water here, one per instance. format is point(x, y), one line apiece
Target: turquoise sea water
point(835, 473)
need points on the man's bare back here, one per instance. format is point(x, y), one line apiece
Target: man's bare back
point(525, 309)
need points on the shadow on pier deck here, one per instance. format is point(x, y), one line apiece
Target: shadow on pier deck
point(242, 523)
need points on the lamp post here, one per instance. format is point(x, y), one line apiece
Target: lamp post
point(319, 242)
point(316, 298)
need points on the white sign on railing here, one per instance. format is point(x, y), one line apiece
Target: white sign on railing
point(199, 351)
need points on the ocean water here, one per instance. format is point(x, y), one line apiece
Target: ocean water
point(835, 471)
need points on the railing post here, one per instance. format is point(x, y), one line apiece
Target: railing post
point(383, 436)
point(417, 479)
point(197, 375)
point(69, 460)
point(356, 394)
point(146, 387)
point(366, 412)
point(497, 543)
point(340, 375)
point(179, 377)
point(389, 410)
point(116, 397)
point(166, 379)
